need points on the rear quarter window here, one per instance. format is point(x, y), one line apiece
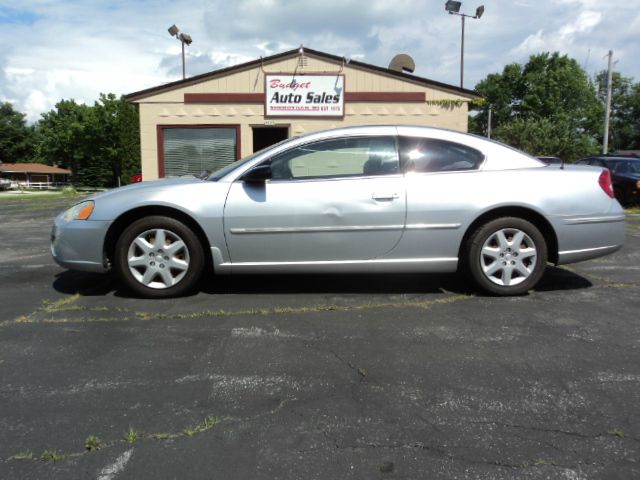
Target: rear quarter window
point(433, 155)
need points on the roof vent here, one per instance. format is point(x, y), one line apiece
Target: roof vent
point(402, 63)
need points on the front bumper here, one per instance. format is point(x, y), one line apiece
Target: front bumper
point(79, 244)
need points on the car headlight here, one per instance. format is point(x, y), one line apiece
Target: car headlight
point(81, 211)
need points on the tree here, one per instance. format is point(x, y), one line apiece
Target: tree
point(624, 125)
point(543, 137)
point(117, 137)
point(65, 139)
point(100, 144)
point(550, 95)
point(16, 138)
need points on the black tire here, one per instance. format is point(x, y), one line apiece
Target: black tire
point(155, 270)
point(506, 256)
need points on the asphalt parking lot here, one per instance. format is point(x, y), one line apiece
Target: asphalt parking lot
point(332, 377)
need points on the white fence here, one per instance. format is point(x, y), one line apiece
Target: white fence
point(38, 185)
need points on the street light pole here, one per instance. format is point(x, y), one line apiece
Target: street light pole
point(184, 75)
point(184, 38)
point(453, 7)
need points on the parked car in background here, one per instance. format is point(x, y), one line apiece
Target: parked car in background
point(137, 178)
point(5, 184)
point(625, 176)
point(363, 199)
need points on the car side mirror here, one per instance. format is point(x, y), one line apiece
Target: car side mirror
point(259, 174)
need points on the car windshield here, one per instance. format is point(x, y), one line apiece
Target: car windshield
point(218, 174)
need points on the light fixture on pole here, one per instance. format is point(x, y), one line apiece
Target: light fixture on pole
point(453, 8)
point(184, 38)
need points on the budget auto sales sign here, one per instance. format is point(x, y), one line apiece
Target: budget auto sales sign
point(304, 95)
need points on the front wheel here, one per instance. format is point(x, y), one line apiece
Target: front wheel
point(159, 257)
point(507, 256)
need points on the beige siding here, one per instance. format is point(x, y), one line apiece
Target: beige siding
point(168, 108)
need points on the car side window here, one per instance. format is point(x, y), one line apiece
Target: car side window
point(433, 155)
point(340, 157)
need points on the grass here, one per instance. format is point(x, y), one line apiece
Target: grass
point(39, 196)
point(209, 422)
point(632, 210)
point(22, 456)
point(61, 305)
point(131, 436)
point(92, 443)
point(51, 456)
point(616, 433)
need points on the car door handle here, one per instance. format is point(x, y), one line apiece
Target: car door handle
point(385, 196)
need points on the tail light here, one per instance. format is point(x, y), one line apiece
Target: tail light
point(605, 182)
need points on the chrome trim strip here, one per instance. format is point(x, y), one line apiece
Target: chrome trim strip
point(585, 250)
point(588, 220)
point(433, 226)
point(348, 262)
point(347, 228)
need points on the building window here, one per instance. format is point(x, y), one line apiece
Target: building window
point(193, 150)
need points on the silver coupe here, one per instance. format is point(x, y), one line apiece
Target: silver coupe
point(358, 199)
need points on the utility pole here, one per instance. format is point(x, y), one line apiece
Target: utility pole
point(607, 114)
point(489, 123)
point(462, 54)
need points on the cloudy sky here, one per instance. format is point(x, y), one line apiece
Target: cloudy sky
point(54, 49)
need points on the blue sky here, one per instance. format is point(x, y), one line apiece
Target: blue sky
point(51, 49)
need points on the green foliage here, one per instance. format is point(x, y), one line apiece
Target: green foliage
point(69, 191)
point(547, 106)
point(16, 138)
point(546, 137)
point(50, 455)
point(65, 138)
point(92, 443)
point(100, 144)
point(624, 124)
point(26, 455)
point(132, 436)
point(616, 432)
point(209, 422)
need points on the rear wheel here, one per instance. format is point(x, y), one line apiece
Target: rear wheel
point(159, 257)
point(507, 256)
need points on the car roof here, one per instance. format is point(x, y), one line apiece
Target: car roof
point(608, 157)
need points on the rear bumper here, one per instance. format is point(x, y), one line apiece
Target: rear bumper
point(585, 238)
point(572, 256)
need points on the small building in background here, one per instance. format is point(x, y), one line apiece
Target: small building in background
point(34, 175)
point(208, 121)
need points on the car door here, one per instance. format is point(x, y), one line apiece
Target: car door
point(329, 201)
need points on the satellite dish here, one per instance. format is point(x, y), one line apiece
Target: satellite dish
point(402, 63)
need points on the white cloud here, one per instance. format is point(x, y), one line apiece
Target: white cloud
point(584, 23)
point(57, 49)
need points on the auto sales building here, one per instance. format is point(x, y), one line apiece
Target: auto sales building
point(210, 120)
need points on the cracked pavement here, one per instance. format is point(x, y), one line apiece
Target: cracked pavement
point(386, 376)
